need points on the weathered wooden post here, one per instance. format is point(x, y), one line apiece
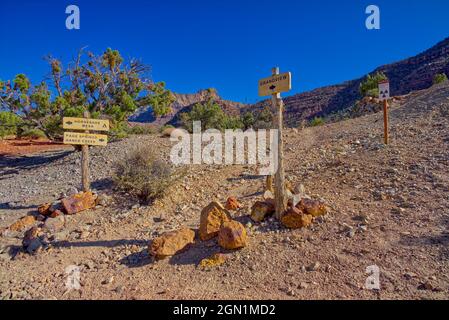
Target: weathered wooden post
point(384, 95)
point(385, 107)
point(273, 86)
point(279, 183)
point(85, 180)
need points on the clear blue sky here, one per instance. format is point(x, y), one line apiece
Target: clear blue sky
point(227, 44)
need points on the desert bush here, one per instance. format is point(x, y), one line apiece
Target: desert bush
point(209, 113)
point(9, 123)
point(138, 129)
point(317, 121)
point(248, 120)
point(143, 175)
point(439, 78)
point(33, 133)
point(370, 86)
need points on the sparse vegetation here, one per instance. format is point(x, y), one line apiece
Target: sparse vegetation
point(33, 134)
point(103, 84)
point(143, 175)
point(211, 116)
point(9, 123)
point(369, 87)
point(317, 121)
point(439, 78)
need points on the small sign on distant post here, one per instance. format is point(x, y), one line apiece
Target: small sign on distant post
point(384, 90)
point(273, 86)
point(384, 95)
point(85, 139)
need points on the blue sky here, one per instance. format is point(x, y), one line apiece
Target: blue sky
point(227, 44)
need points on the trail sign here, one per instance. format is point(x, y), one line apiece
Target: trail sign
point(384, 90)
point(85, 124)
point(85, 139)
point(275, 84)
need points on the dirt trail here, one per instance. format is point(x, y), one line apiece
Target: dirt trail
point(389, 209)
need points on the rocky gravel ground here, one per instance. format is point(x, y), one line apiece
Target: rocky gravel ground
point(389, 208)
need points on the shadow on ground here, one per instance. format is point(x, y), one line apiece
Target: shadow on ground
point(16, 163)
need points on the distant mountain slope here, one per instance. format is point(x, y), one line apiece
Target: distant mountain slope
point(408, 75)
point(183, 103)
point(405, 76)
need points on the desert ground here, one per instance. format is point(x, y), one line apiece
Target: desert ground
point(389, 206)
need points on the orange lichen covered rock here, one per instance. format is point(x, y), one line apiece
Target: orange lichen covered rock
point(215, 260)
point(313, 207)
point(170, 243)
point(262, 209)
point(211, 220)
point(44, 209)
point(232, 204)
point(294, 218)
point(22, 223)
point(79, 202)
point(232, 235)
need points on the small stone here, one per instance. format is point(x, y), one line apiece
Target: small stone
point(232, 235)
point(312, 207)
point(215, 260)
point(303, 285)
point(44, 209)
point(22, 223)
point(313, 267)
point(79, 202)
point(262, 209)
point(212, 217)
point(170, 243)
point(54, 224)
point(294, 218)
point(232, 204)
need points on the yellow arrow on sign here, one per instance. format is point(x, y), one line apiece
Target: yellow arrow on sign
point(85, 124)
point(85, 139)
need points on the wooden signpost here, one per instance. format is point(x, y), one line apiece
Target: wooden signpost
point(273, 86)
point(384, 95)
point(85, 139)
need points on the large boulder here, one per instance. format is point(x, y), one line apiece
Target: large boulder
point(312, 207)
point(211, 220)
point(79, 202)
point(232, 235)
point(294, 218)
point(170, 243)
point(22, 223)
point(262, 209)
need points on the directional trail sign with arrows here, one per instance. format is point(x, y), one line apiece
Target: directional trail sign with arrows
point(85, 139)
point(275, 84)
point(85, 124)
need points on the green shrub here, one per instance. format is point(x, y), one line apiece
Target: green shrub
point(370, 86)
point(32, 133)
point(143, 175)
point(317, 121)
point(141, 129)
point(9, 123)
point(439, 78)
point(248, 120)
point(164, 127)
